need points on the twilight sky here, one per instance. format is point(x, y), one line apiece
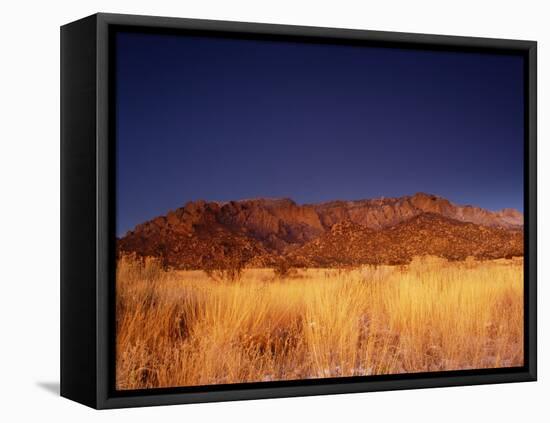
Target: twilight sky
point(227, 119)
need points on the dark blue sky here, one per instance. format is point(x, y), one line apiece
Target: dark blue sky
point(226, 119)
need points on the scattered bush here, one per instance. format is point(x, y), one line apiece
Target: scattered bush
point(228, 268)
point(283, 269)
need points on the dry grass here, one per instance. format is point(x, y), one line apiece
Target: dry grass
point(182, 328)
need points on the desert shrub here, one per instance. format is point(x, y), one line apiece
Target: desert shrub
point(228, 268)
point(283, 269)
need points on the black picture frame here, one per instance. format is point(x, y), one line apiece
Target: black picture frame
point(87, 213)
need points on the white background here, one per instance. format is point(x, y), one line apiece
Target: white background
point(29, 212)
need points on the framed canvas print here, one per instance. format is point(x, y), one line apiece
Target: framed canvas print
point(257, 211)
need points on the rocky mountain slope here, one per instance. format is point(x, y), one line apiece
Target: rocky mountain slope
point(259, 232)
point(348, 243)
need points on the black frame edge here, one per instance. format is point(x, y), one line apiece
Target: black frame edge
point(311, 31)
point(303, 391)
point(78, 212)
point(531, 162)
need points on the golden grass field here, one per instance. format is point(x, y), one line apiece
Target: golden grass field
point(180, 328)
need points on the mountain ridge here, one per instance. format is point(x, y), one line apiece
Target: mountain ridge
point(261, 231)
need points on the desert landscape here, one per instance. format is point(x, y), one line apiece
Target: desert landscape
point(267, 289)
